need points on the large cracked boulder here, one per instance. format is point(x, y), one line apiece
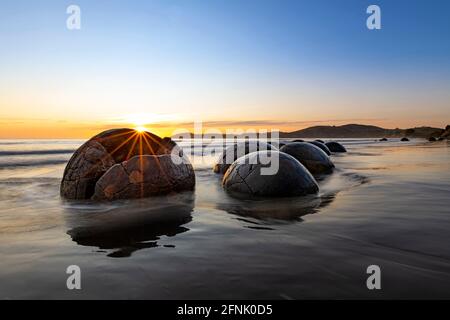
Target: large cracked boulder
point(107, 149)
point(312, 157)
point(245, 176)
point(232, 153)
point(144, 176)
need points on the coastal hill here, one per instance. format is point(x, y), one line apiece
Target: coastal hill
point(359, 131)
point(362, 131)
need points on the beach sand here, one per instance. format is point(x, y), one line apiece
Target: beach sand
point(387, 204)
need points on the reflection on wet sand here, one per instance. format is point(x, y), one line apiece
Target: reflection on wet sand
point(283, 209)
point(128, 228)
point(389, 209)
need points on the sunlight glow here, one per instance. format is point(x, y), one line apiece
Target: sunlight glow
point(142, 119)
point(140, 129)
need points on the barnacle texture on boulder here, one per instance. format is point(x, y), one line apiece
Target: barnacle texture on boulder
point(312, 157)
point(232, 153)
point(291, 179)
point(102, 153)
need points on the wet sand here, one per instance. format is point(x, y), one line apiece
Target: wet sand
point(386, 204)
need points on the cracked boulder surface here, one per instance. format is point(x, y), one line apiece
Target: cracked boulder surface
point(234, 152)
point(107, 149)
point(292, 178)
point(312, 157)
point(145, 176)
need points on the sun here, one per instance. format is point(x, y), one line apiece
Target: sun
point(140, 129)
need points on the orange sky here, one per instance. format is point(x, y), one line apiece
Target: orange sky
point(165, 64)
point(48, 129)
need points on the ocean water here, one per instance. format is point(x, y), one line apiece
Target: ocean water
point(387, 204)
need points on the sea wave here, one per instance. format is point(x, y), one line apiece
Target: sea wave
point(37, 163)
point(36, 152)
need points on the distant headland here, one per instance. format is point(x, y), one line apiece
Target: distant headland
point(363, 131)
point(366, 131)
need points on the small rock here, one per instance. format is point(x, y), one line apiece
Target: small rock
point(312, 157)
point(335, 146)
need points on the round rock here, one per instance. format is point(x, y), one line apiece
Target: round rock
point(277, 145)
point(312, 157)
point(234, 152)
point(322, 146)
point(245, 176)
point(144, 176)
point(404, 139)
point(335, 146)
point(95, 157)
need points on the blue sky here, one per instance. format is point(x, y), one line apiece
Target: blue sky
point(230, 60)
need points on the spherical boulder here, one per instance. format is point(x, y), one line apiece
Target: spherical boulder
point(232, 153)
point(432, 139)
point(335, 146)
point(312, 157)
point(321, 141)
point(321, 146)
point(144, 176)
point(298, 140)
point(291, 179)
point(276, 145)
point(404, 139)
point(383, 139)
point(107, 149)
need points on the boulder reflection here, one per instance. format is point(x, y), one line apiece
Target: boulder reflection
point(283, 209)
point(121, 228)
